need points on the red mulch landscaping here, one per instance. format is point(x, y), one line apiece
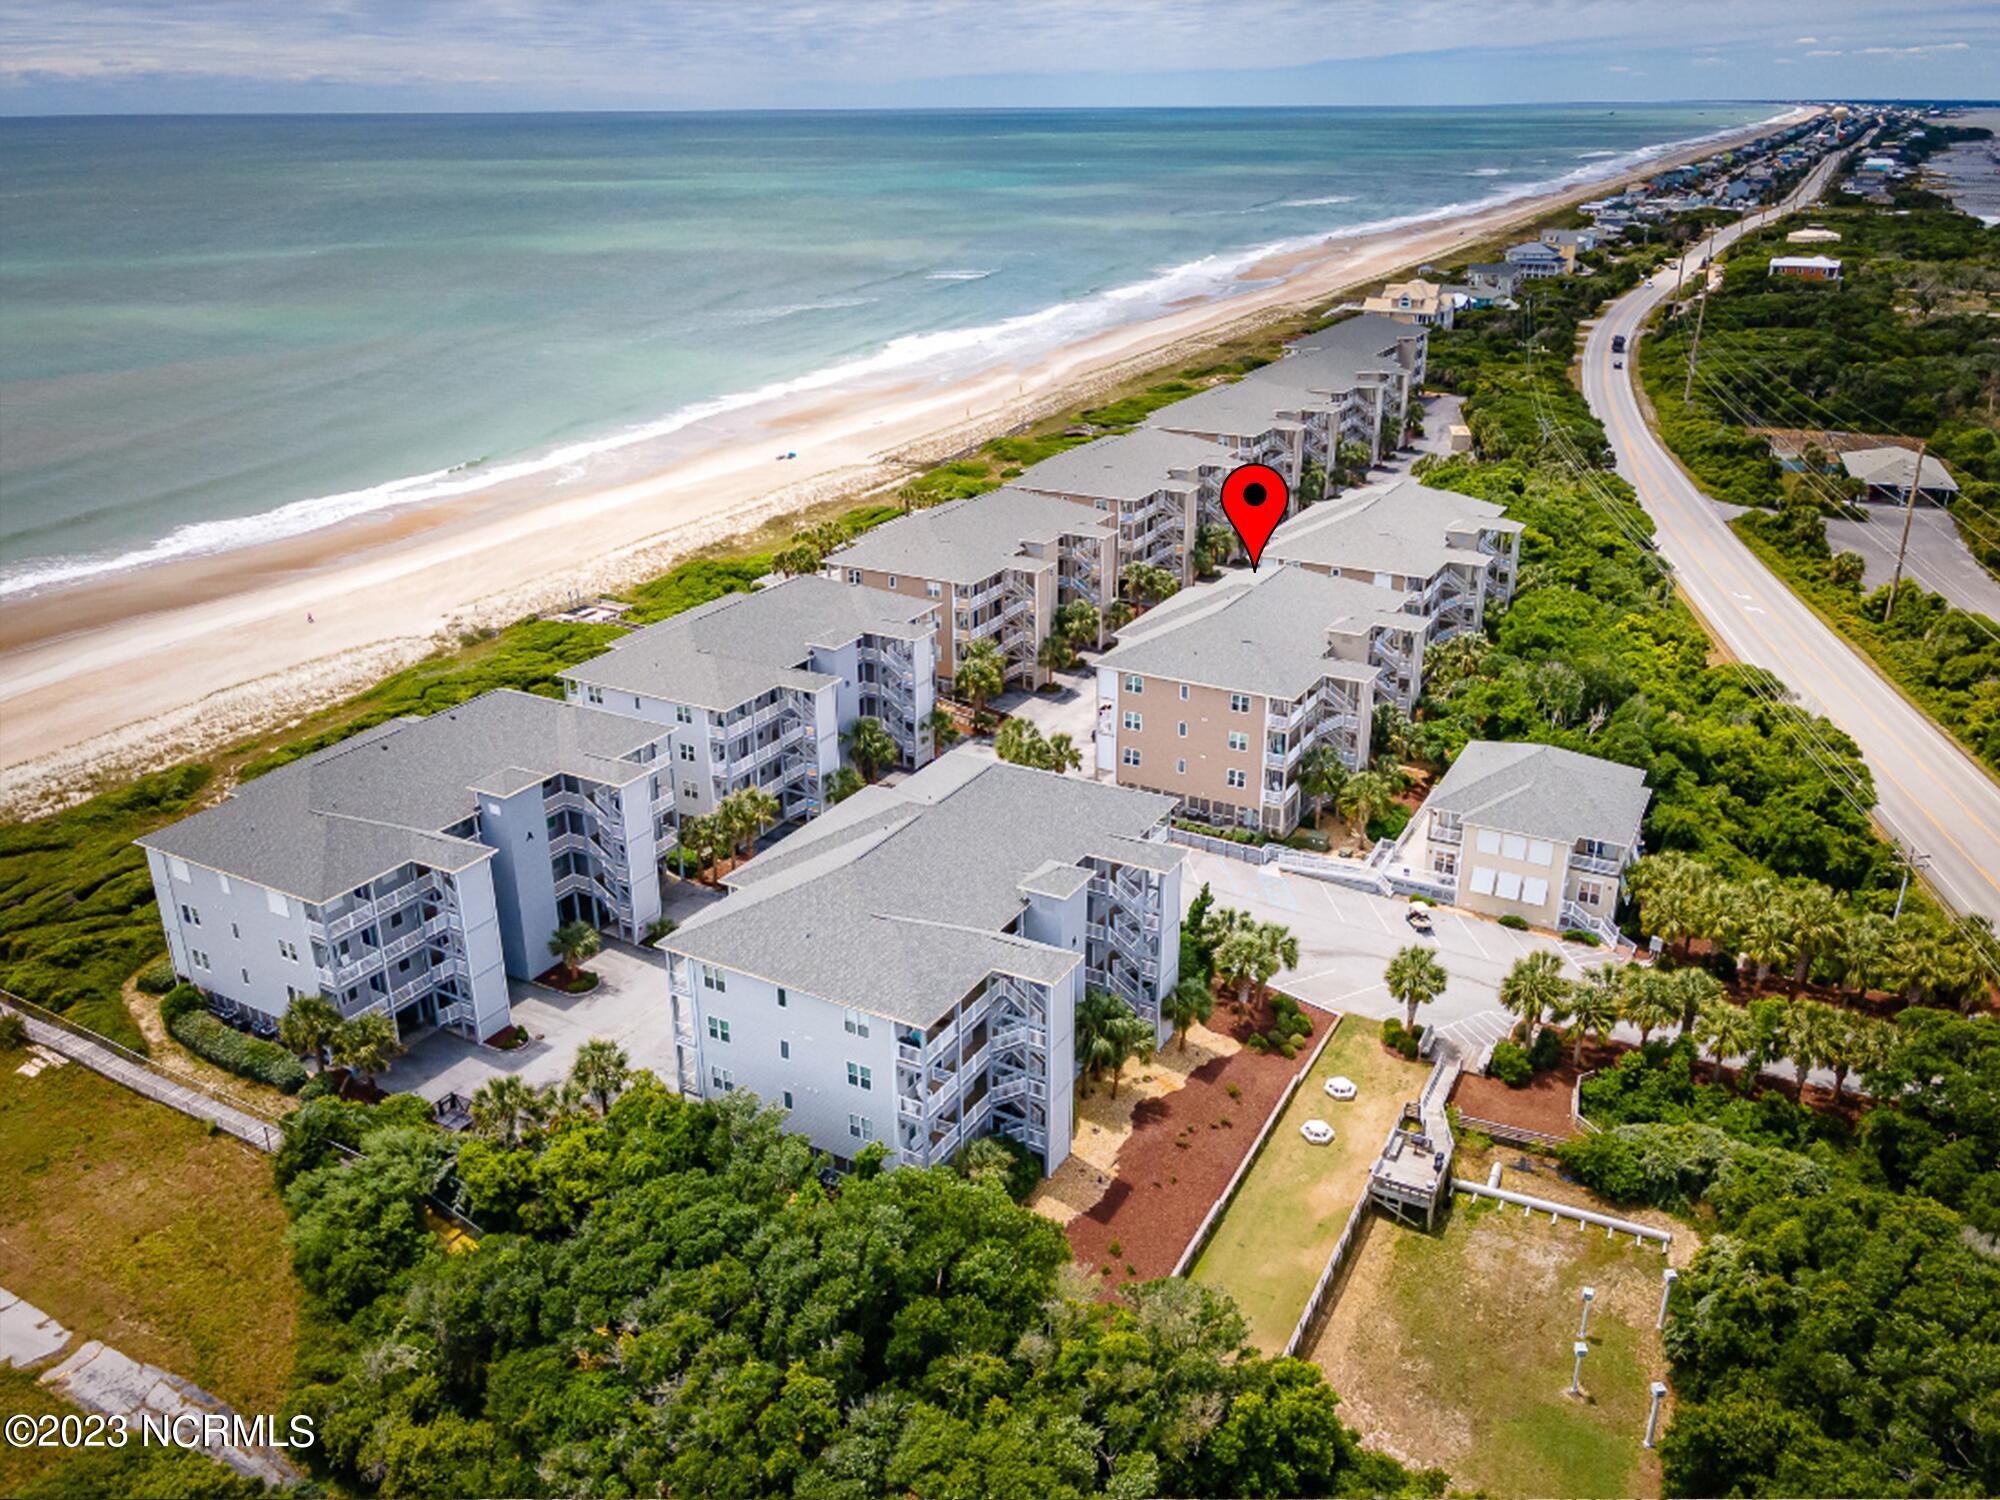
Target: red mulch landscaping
point(1543, 1106)
point(1163, 1190)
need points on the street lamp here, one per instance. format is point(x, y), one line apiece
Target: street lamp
point(1667, 1277)
point(1576, 1375)
point(1653, 1416)
point(1589, 1296)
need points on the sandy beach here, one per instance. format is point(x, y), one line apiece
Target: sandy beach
point(148, 667)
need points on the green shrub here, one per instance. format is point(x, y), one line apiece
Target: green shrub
point(246, 1056)
point(1517, 923)
point(1400, 1039)
point(1581, 935)
point(1547, 1050)
point(181, 1000)
point(1309, 838)
point(1256, 1042)
point(1388, 823)
point(1288, 1019)
point(1510, 1065)
point(156, 978)
point(13, 1032)
point(1670, 1166)
point(1392, 1030)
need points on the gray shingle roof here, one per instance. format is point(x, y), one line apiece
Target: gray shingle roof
point(1544, 792)
point(1245, 408)
point(1401, 528)
point(1893, 466)
point(1129, 466)
point(968, 541)
point(898, 909)
point(1266, 633)
point(728, 651)
point(326, 824)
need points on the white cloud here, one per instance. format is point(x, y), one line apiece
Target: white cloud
point(1913, 51)
point(1709, 62)
point(1804, 41)
point(1824, 52)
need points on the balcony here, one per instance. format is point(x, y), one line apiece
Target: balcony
point(1447, 833)
point(1593, 864)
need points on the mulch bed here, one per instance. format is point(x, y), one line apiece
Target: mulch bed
point(1163, 1189)
point(1543, 1106)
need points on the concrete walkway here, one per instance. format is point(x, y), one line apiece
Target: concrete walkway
point(147, 1078)
point(99, 1379)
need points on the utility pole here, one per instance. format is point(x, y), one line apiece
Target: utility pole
point(1909, 510)
point(1694, 349)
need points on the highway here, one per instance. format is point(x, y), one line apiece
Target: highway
point(1931, 795)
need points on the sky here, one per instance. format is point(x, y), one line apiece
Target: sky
point(203, 56)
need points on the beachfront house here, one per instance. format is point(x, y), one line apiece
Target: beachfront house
point(1218, 696)
point(762, 688)
point(1421, 302)
point(1502, 278)
point(1530, 831)
point(1570, 243)
point(1536, 261)
point(1453, 554)
point(997, 566)
point(906, 969)
point(1886, 474)
point(1158, 486)
point(410, 869)
point(1806, 267)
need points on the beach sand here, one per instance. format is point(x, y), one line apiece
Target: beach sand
point(146, 668)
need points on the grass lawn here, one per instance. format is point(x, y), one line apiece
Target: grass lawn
point(130, 1223)
point(1274, 1240)
point(19, 1392)
point(1454, 1349)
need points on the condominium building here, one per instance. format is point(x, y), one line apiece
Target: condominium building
point(410, 869)
point(907, 967)
point(1159, 486)
point(998, 567)
point(1455, 554)
point(1217, 696)
point(1531, 831)
point(762, 687)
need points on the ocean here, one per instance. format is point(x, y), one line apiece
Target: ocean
point(220, 331)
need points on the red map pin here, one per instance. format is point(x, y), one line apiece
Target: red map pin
point(1254, 498)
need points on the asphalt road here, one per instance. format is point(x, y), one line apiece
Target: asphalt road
point(1931, 794)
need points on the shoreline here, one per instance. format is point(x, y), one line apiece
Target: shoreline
point(145, 668)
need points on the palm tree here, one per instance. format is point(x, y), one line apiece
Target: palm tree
point(366, 1045)
point(703, 837)
point(575, 943)
point(841, 785)
point(1800, 1036)
point(1415, 976)
point(1865, 1048)
point(1723, 1029)
point(1020, 743)
point(1675, 898)
point(982, 674)
point(1453, 662)
point(1866, 942)
point(1764, 925)
point(1818, 923)
point(799, 558)
point(1190, 1001)
point(944, 728)
point(1592, 1007)
point(1078, 622)
point(504, 1106)
point(756, 810)
point(871, 747)
point(1144, 581)
point(308, 1024)
point(1649, 1000)
point(986, 1161)
point(1219, 542)
point(1322, 776)
point(1278, 949)
point(1238, 957)
point(1366, 795)
point(1108, 1032)
point(1062, 754)
point(1055, 654)
point(1534, 987)
point(1117, 615)
point(600, 1071)
point(1693, 988)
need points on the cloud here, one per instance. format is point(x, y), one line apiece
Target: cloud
point(1804, 41)
point(1708, 62)
point(1913, 51)
point(1785, 62)
point(1823, 52)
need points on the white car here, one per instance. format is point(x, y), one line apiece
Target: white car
point(1317, 1131)
point(1341, 1088)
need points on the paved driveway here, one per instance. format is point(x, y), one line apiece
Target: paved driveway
point(1937, 558)
point(1347, 937)
point(629, 1007)
point(1071, 711)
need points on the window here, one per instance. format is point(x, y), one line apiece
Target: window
point(593, 695)
point(855, 1024)
point(223, 881)
point(718, 1029)
point(781, 997)
point(198, 958)
point(1488, 841)
point(293, 993)
point(1507, 886)
point(246, 975)
point(1444, 862)
point(1238, 740)
point(784, 1049)
point(1133, 721)
point(1482, 880)
point(934, 588)
point(236, 932)
point(686, 751)
point(788, 1098)
point(683, 714)
point(1182, 729)
point(180, 870)
point(275, 900)
point(1130, 756)
point(861, 1127)
point(190, 916)
point(1589, 893)
point(1239, 703)
point(687, 789)
point(1184, 692)
point(854, 575)
point(1236, 778)
point(1513, 846)
point(1541, 852)
point(713, 978)
point(892, 580)
point(1134, 683)
point(1180, 768)
point(288, 951)
point(721, 1080)
point(859, 1077)
point(1535, 891)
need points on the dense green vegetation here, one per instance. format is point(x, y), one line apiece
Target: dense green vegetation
point(676, 1303)
point(246, 1056)
point(1840, 1335)
point(1906, 344)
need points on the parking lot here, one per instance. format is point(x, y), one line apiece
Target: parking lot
point(1346, 938)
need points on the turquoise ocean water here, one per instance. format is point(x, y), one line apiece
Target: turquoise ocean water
point(220, 331)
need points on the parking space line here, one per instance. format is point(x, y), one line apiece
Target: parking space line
point(1471, 937)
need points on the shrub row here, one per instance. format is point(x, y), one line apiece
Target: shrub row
point(245, 1056)
point(1399, 1038)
